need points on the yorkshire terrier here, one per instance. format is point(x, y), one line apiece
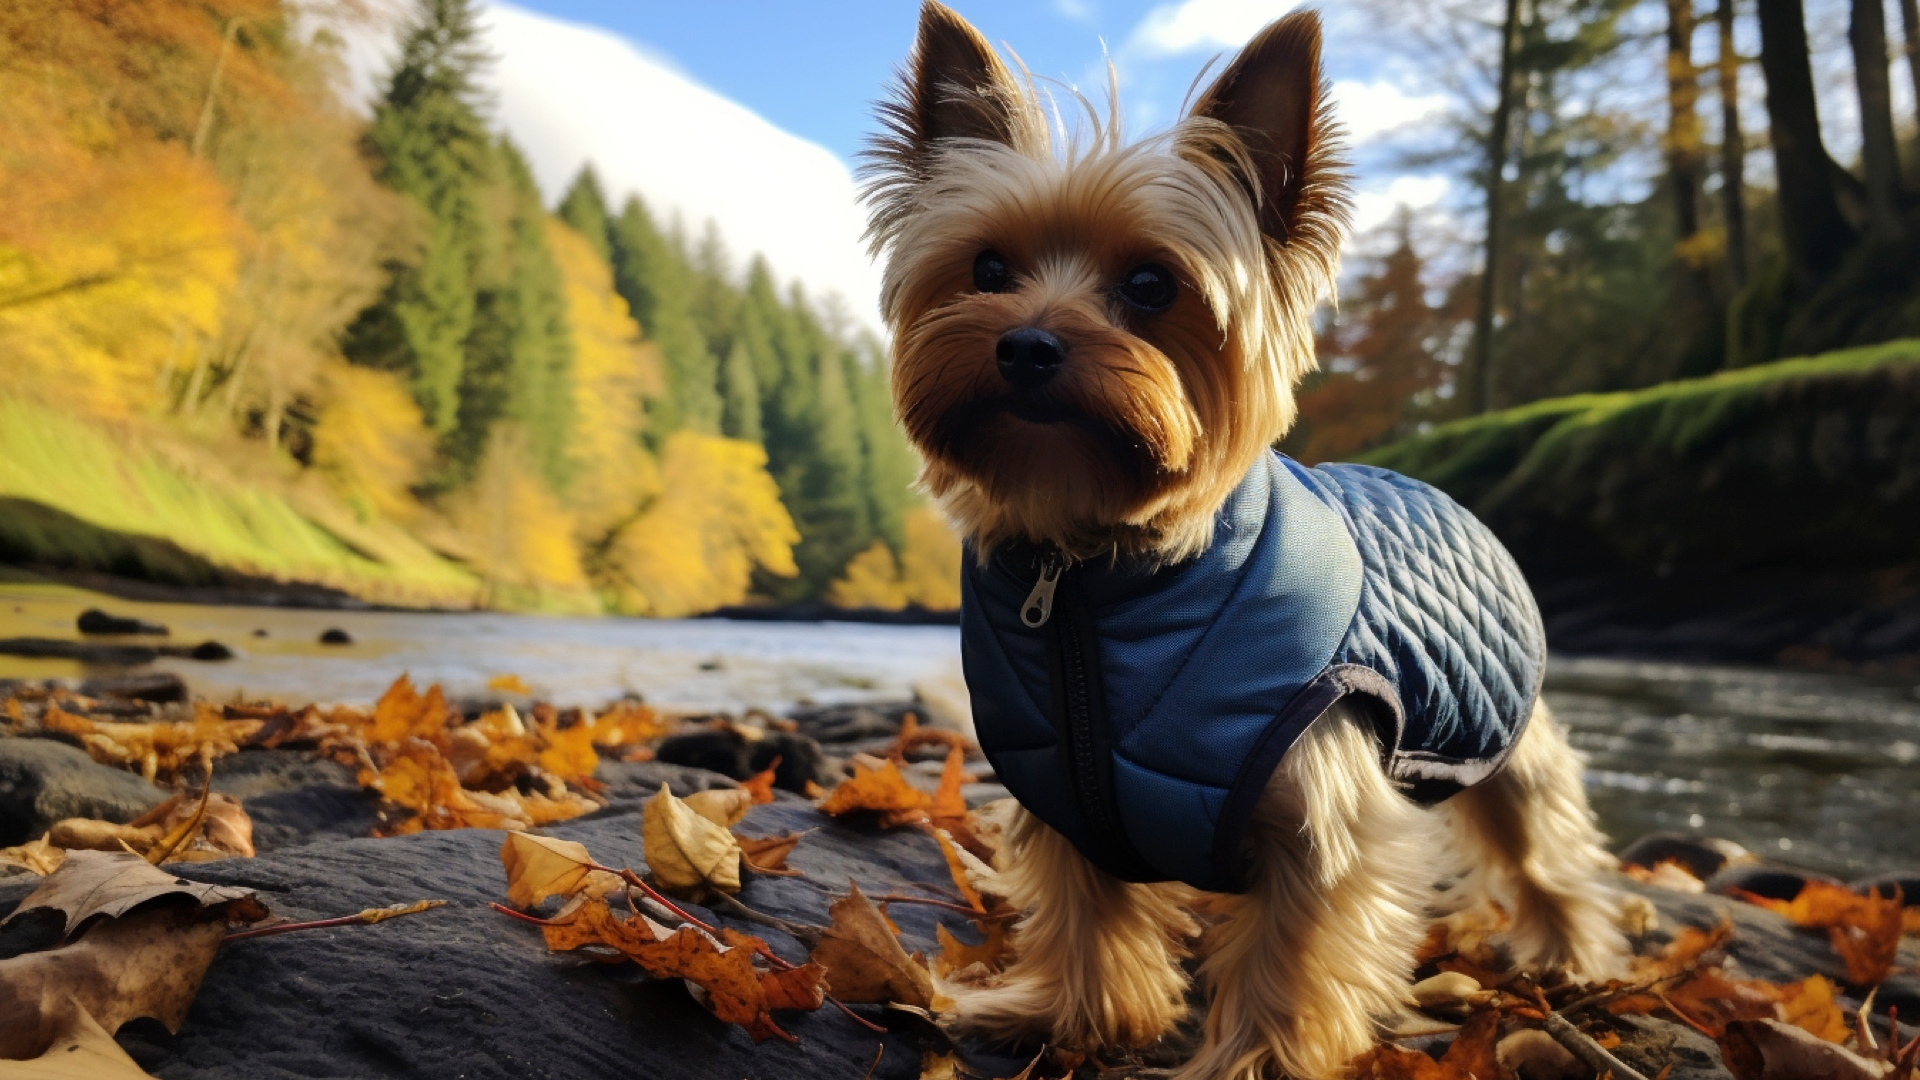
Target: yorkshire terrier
point(1197, 664)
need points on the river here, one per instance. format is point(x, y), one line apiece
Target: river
point(1820, 771)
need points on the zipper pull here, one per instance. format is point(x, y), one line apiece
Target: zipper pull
point(1038, 606)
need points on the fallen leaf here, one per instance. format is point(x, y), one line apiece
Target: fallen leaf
point(881, 790)
point(722, 806)
point(542, 866)
point(1772, 1050)
point(509, 684)
point(760, 784)
point(961, 867)
point(956, 955)
point(1390, 1062)
point(1810, 1006)
point(947, 808)
point(864, 960)
point(90, 883)
point(159, 749)
point(688, 853)
point(91, 834)
point(40, 856)
point(768, 854)
point(1450, 990)
point(1473, 1054)
point(1667, 874)
point(565, 751)
point(148, 963)
point(1864, 930)
point(83, 1051)
point(732, 988)
point(628, 723)
point(225, 828)
point(1531, 1052)
point(405, 713)
point(939, 1067)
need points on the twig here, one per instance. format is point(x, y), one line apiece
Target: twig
point(1591, 1054)
point(1684, 1018)
point(877, 1052)
point(158, 855)
point(805, 934)
point(369, 917)
point(898, 898)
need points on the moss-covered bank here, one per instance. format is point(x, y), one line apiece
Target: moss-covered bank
point(1787, 494)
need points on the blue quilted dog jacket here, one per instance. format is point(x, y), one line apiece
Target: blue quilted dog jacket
point(1139, 711)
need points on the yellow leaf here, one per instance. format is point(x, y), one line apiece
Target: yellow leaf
point(722, 806)
point(83, 1051)
point(542, 866)
point(882, 790)
point(509, 684)
point(687, 853)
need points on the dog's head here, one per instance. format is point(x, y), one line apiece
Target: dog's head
point(1094, 341)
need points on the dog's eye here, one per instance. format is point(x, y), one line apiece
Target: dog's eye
point(990, 273)
point(1149, 287)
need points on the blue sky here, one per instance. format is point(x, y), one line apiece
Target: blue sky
point(814, 69)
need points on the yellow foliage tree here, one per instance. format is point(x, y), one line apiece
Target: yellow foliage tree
point(613, 371)
point(718, 516)
point(930, 561)
point(370, 440)
point(926, 575)
point(519, 535)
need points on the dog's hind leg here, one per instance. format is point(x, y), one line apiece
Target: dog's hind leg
point(1529, 831)
point(1095, 958)
point(1319, 952)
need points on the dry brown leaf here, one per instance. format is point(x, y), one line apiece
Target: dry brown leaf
point(947, 808)
point(732, 988)
point(687, 852)
point(1772, 1050)
point(881, 790)
point(628, 723)
point(760, 784)
point(1668, 874)
point(722, 806)
point(959, 868)
point(864, 961)
point(148, 963)
point(225, 828)
point(541, 866)
point(1473, 1053)
point(83, 1051)
point(91, 834)
point(956, 955)
point(1810, 1006)
point(509, 684)
point(768, 854)
point(1390, 1062)
point(158, 749)
point(1864, 930)
point(90, 883)
point(565, 751)
point(40, 856)
point(404, 713)
point(939, 1067)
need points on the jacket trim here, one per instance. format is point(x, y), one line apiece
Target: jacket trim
point(1316, 697)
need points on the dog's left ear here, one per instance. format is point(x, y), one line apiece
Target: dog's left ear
point(1274, 97)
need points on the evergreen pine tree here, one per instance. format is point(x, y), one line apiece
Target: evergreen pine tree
point(584, 207)
point(890, 463)
point(432, 144)
point(739, 390)
point(519, 353)
point(656, 284)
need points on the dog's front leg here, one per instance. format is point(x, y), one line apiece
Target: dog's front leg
point(1318, 953)
point(1095, 958)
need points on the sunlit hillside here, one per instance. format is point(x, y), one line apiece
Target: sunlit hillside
point(253, 334)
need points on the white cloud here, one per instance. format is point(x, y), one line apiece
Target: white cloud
point(1374, 206)
point(568, 94)
point(1193, 25)
point(1369, 110)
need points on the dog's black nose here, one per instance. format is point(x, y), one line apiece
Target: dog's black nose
point(1029, 356)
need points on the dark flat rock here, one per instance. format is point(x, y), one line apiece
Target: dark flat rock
point(42, 781)
point(95, 621)
point(465, 992)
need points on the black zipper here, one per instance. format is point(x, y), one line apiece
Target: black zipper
point(1080, 712)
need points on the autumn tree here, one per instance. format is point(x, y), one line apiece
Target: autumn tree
point(434, 148)
point(657, 284)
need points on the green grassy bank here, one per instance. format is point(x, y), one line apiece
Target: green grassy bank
point(1803, 465)
point(79, 496)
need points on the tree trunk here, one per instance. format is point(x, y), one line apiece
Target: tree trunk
point(1683, 120)
point(1910, 16)
point(1479, 392)
point(1879, 153)
point(1733, 149)
point(1816, 234)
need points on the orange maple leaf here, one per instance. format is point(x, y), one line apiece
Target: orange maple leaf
point(883, 790)
point(1864, 930)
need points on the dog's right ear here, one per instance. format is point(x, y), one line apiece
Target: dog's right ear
point(956, 87)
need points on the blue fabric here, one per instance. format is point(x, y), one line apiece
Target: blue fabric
point(1319, 584)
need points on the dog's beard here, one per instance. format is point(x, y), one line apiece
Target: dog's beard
point(1028, 442)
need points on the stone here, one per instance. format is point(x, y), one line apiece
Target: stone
point(159, 687)
point(1700, 856)
point(42, 781)
point(95, 621)
point(86, 652)
point(1765, 879)
point(335, 636)
point(729, 753)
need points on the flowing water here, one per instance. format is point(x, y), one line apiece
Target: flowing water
point(1821, 771)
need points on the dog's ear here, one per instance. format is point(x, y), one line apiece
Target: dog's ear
point(1275, 99)
point(956, 87)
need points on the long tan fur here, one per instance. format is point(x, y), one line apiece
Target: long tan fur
point(1130, 446)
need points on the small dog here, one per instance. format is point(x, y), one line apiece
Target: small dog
point(1199, 665)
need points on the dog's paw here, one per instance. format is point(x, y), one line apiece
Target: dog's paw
point(1019, 1005)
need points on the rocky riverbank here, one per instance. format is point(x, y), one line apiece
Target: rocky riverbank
point(464, 990)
